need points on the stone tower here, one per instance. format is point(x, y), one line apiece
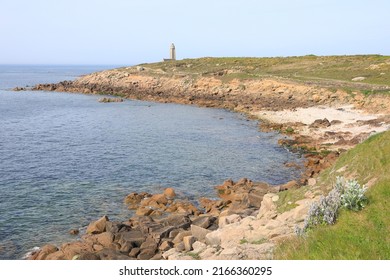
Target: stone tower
point(172, 52)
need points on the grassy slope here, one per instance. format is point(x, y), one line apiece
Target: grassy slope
point(356, 235)
point(330, 71)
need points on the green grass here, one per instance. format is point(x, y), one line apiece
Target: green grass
point(328, 71)
point(356, 235)
point(287, 199)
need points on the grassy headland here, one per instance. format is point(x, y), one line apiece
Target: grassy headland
point(327, 71)
point(356, 235)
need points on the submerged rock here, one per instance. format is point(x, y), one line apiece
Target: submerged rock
point(110, 99)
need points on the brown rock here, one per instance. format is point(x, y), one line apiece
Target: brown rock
point(320, 123)
point(45, 251)
point(161, 233)
point(169, 193)
point(134, 252)
point(144, 211)
point(70, 250)
point(59, 255)
point(203, 221)
point(105, 239)
point(98, 226)
point(188, 241)
point(289, 185)
point(126, 247)
point(135, 237)
point(165, 246)
point(157, 256)
point(88, 256)
point(146, 254)
point(97, 247)
point(149, 244)
point(175, 220)
point(110, 254)
point(179, 237)
point(74, 231)
point(134, 199)
point(198, 232)
point(180, 246)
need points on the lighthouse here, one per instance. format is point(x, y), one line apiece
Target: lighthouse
point(172, 52)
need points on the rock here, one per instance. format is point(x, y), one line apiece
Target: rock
point(105, 238)
point(97, 247)
point(213, 238)
point(198, 247)
point(140, 68)
point(134, 252)
point(275, 198)
point(98, 226)
point(169, 193)
point(144, 211)
point(149, 244)
point(165, 246)
point(289, 185)
point(208, 253)
point(110, 254)
point(76, 248)
point(179, 237)
point(134, 199)
point(223, 221)
point(126, 247)
point(204, 221)
point(311, 182)
point(358, 79)
point(110, 99)
point(135, 237)
point(157, 256)
point(161, 233)
point(88, 256)
point(45, 251)
point(198, 232)
point(169, 253)
point(115, 227)
point(320, 123)
point(74, 231)
point(180, 246)
point(59, 255)
point(188, 241)
point(336, 122)
point(175, 220)
point(268, 208)
point(146, 254)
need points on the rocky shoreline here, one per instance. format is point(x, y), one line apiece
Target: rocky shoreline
point(245, 222)
point(165, 227)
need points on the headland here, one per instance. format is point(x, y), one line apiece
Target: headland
point(324, 106)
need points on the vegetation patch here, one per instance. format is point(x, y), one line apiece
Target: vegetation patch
point(356, 234)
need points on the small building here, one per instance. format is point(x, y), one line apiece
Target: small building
point(172, 53)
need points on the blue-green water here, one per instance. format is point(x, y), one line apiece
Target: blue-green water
point(66, 159)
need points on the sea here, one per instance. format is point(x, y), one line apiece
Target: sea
point(66, 159)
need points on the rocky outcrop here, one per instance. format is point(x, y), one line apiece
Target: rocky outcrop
point(251, 237)
point(164, 223)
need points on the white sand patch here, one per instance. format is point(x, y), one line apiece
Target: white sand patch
point(351, 121)
point(346, 114)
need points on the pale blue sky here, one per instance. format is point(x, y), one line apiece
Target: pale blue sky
point(129, 32)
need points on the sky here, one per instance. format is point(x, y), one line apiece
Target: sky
point(127, 32)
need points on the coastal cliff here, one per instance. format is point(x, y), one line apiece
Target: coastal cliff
point(322, 116)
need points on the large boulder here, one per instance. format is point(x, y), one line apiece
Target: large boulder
point(98, 226)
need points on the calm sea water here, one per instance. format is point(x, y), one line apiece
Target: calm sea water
point(66, 159)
